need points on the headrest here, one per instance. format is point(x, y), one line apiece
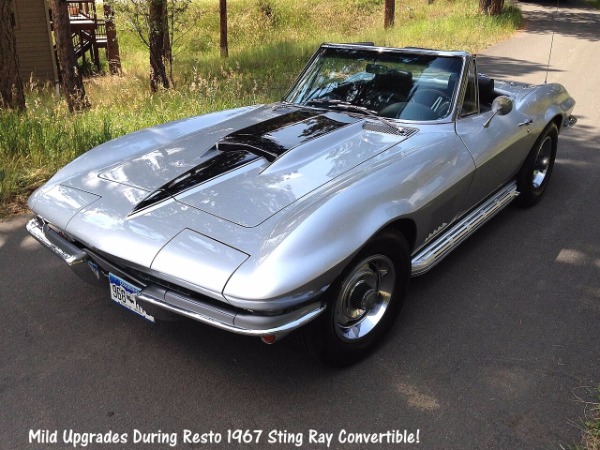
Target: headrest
point(486, 89)
point(393, 81)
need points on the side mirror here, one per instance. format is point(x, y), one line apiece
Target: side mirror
point(501, 106)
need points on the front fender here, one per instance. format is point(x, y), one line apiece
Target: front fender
point(313, 241)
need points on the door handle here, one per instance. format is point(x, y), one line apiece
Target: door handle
point(526, 122)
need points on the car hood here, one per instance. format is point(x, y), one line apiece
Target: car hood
point(196, 206)
point(249, 170)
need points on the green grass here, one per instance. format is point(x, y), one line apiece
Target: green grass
point(590, 424)
point(594, 3)
point(269, 40)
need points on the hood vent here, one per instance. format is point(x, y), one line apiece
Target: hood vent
point(387, 129)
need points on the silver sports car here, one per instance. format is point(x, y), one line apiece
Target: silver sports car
point(311, 213)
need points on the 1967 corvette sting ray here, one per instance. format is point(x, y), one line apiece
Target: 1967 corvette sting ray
point(310, 213)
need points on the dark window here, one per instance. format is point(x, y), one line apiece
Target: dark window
point(470, 102)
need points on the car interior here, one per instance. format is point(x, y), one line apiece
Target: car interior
point(419, 89)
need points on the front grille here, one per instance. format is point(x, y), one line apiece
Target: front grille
point(149, 279)
point(143, 279)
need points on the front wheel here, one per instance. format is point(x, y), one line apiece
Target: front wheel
point(363, 303)
point(534, 175)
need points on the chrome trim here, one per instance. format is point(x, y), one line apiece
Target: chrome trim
point(439, 248)
point(245, 324)
point(61, 247)
point(526, 122)
point(543, 163)
point(570, 122)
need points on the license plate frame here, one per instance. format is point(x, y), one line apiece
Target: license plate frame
point(124, 293)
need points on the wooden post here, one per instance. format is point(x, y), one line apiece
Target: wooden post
point(390, 11)
point(223, 14)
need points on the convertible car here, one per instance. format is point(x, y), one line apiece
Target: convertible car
point(308, 215)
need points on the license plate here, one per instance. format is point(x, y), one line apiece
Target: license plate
point(124, 293)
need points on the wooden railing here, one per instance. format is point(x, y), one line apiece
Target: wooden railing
point(88, 33)
point(101, 32)
point(82, 10)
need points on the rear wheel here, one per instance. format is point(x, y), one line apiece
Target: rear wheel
point(534, 176)
point(362, 304)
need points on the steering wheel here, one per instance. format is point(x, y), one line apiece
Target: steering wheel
point(436, 100)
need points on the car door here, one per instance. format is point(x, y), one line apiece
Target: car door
point(498, 148)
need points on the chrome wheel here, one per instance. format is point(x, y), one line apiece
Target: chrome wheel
point(542, 162)
point(535, 173)
point(363, 303)
point(364, 297)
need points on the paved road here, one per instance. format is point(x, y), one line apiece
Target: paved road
point(492, 351)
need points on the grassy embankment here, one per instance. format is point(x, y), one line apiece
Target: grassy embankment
point(269, 43)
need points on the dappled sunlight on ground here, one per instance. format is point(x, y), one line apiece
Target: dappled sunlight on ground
point(29, 243)
point(416, 398)
point(576, 257)
point(11, 237)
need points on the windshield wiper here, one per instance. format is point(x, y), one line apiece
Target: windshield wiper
point(339, 104)
point(283, 104)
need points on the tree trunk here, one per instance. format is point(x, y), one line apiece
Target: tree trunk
point(167, 48)
point(11, 85)
point(71, 80)
point(156, 29)
point(390, 11)
point(491, 7)
point(497, 7)
point(484, 6)
point(112, 43)
point(223, 26)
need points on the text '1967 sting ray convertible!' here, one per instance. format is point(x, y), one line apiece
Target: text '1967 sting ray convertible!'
point(309, 215)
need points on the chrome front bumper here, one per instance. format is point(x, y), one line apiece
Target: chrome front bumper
point(223, 317)
point(65, 250)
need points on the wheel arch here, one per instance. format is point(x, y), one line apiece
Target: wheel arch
point(557, 120)
point(407, 228)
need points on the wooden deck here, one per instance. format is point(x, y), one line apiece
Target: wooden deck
point(87, 30)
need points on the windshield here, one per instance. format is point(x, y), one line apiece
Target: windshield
point(397, 85)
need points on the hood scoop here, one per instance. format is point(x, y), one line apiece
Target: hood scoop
point(269, 140)
point(274, 137)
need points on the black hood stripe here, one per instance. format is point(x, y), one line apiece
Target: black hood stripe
point(280, 134)
point(268, 139)
point(220, 164)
